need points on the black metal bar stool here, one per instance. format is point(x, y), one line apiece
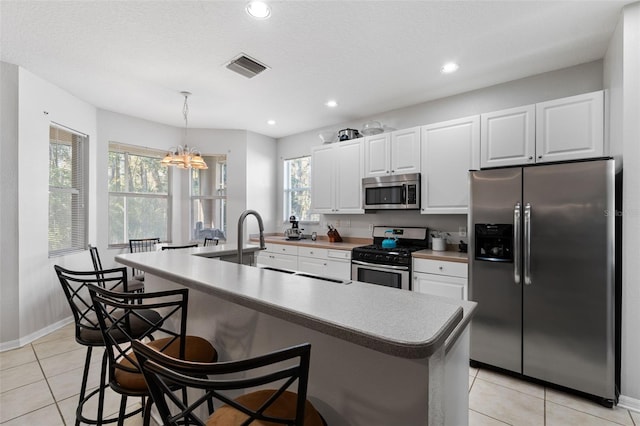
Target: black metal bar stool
point(118, 312)
point(264, 406)
point(87, 328)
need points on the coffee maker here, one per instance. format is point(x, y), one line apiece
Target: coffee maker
point(293, 233)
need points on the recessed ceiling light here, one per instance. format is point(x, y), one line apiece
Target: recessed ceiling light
point(449, 67)
point(271, 122)
point(258, 9)
point(331, 104)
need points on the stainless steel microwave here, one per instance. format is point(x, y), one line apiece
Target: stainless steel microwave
point(401, 192)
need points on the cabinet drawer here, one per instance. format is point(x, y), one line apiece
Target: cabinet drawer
point(312, 252)
point(454, 269)
point(283, 248)
point(339, 254)
point(439, 285)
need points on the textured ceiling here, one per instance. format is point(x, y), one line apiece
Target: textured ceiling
point(135, 57)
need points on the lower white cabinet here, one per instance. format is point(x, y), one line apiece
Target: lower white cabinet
point(440, 278)
point(319, 261)
point(325, 262)
point(339, 264)
point(279, 256)
point(312, 260)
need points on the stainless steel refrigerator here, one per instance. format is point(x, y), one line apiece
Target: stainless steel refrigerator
point(541, 267)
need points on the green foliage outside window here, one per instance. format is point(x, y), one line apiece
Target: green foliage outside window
point(67, 192)
point(138, 197)
point(297, 190)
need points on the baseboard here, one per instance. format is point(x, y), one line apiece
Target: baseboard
point(629, 403)
point(18, 343)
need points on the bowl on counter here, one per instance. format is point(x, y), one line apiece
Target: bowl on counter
point(372, 127)
point(328, 137)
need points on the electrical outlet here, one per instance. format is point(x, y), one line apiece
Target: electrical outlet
point(336, 223)
point(462, 231)
point(371, 227)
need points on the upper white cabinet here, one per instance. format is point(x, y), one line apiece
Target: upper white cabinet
point(377, 155)
point(449, 150)
point(570, 128)
point(563, 129)
point(508, 137)
point(392, 153)
point(336, 178)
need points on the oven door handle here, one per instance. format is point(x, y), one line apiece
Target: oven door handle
point(379, 267)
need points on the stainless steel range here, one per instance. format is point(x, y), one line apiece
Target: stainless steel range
point(387, 261)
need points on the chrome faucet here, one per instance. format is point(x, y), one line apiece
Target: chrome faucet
point(243, 216)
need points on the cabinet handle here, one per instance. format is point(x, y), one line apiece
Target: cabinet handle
point(539, 156)
point(531, 157)
point(440, 267)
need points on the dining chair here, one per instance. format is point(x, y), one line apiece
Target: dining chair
point(137, 245)
point(286, 370)
point(179, 247)
point(75, 285)
point(211, 242)
point(116, 313)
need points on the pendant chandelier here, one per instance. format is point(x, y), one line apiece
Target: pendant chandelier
point(184, 156)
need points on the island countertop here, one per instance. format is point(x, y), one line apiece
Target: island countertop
point(396, 322)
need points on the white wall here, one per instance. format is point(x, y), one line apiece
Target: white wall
point(551, 85)
point(622, 78)
point(9, 289)
point(41, 301)
point(261, 175)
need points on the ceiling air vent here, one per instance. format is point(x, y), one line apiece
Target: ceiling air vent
point(246, 66)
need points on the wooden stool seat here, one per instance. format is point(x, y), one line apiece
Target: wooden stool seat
point(197, 349)
point(283, 407)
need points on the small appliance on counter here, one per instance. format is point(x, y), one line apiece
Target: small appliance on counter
point(293, 233)
point(348, 134)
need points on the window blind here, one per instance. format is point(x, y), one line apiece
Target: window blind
point(67, 190)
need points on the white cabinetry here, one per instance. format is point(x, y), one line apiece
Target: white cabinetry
point(440, 278)
point(339, 264)
point(312, 260)
point(508, 137)
point(570, 128)
point(563, 129)
point(392, 153)
point(449, 150)
point(377, 155)
point(325, 262)
point(280, 256)
point(336, 178)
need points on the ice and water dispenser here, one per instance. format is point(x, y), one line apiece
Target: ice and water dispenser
point(494, 242)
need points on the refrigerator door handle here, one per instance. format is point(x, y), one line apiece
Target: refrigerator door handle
point(527, 244)
point(516, 244)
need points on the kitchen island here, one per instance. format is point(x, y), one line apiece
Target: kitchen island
point(380, 356)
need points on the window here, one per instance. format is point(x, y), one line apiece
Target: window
point(67, 191)
point(139, 196)
point(209, 199)
point(297, 190)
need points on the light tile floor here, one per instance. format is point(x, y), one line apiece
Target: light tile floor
point(40, 382)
